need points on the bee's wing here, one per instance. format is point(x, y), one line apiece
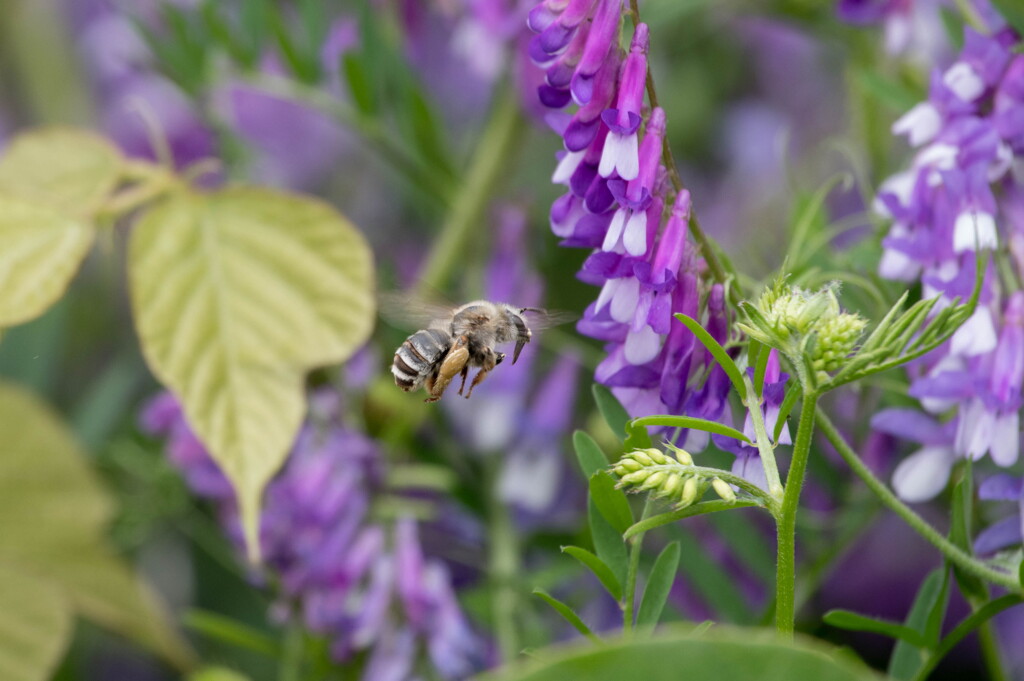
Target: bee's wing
point(540, 318)
point(408, 311)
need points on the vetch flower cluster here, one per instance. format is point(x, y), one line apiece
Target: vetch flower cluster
point(964, 191)
point(362, 583)
point(617, 194)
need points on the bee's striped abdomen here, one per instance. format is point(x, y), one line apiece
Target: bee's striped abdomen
point(418, 356)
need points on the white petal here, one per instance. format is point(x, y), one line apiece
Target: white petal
point(898, 265)
point(1005, 446)
point(642, 346)
point(938, 156)
point(976, 337)
point(974, 229)
point(567, 166)
point(974, 430)
point(1002, 162)
point(625, 299)
point(634, 237)
point(900, 185)
point(611, 237)
point(606, 294)
point(619, 153)
point(964, 81)
point(920, 124)
point(923, 474)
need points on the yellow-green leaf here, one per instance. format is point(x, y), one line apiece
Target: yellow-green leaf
point(53, 514)
point(71, 171)
point(237, 294)
point(41, 249)
point(35, 624)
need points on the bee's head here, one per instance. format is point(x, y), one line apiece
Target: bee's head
point(523, 335)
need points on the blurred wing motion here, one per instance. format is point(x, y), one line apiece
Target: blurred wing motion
point(407, 310)
point(541, 319)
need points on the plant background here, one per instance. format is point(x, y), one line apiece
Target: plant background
point(765, 100)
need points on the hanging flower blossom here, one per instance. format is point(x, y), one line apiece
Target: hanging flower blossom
point(617, 193)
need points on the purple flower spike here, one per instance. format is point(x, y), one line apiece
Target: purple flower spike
point(600, 42)
point(621, 150)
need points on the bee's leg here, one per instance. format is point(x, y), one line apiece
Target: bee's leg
point(454, 362)
point(465, 373)
point(493, 359)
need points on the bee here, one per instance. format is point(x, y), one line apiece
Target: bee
point(465, 338)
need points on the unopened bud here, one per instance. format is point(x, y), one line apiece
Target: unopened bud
point(689, 492)
point(635, 478)
point(671, 486)
point(641, 458)
point(653, 480)
point(656, 456)
point(629, 464)
point(681, 454)
point(724, 490)
point(621, 471)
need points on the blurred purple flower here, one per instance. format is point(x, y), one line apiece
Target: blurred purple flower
point(942, 209)
point(336, 567)
point(1010, 530)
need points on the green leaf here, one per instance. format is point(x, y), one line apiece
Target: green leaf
point(960, 534)
point(689, 422)
point(217, 674)
point(659, 583)
point(811, 216)
point(1013, 12)
point(565, 611)
point(673, 516)
point(232, 632)
point(53, 517)
point(788, 402)
point(718, 654)
point(611, 409)
point(907, 658)
point(41, 249)
point(608, 543)
point(69, 171)
point(611, 502)
point(894, 95)
point(718, 352)
point(597, 566)
point(359, 85)
point(588, 454)
point(953, 23)
point(35, 626)
point(236, 295)
point(851, 621)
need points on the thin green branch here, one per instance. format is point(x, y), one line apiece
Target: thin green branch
point(629, 593)
point(951, 551)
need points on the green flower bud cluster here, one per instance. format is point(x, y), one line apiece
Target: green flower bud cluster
point(673, 479)
point(804, 324)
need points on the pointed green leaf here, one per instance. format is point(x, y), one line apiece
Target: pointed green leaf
point(232, 632)
point(35, 625)
point(217, 674)
point(236, 295)
point(611, 409)
point(66, 170)
point(53, 516)
point(718, 654)
point(851, 621)
point(608, 543)
point(718, 352)
point(40, 251)
point(597, 566)
point(907, 658)
point(565, 611)
point(690, 422)
point(359, 86)
point(960, 534)
point(673, 516)
point(611, 502)
point(788, 402)
point(588, 454)
point(659, 583)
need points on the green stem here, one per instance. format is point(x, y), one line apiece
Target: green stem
point(990, 652)
point(629, 593)
point(785, 575)
point(290, 668)
point(764, 446)
point(503, 568)
point(950, 550)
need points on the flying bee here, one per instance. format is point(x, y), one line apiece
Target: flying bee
point(463, 339)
